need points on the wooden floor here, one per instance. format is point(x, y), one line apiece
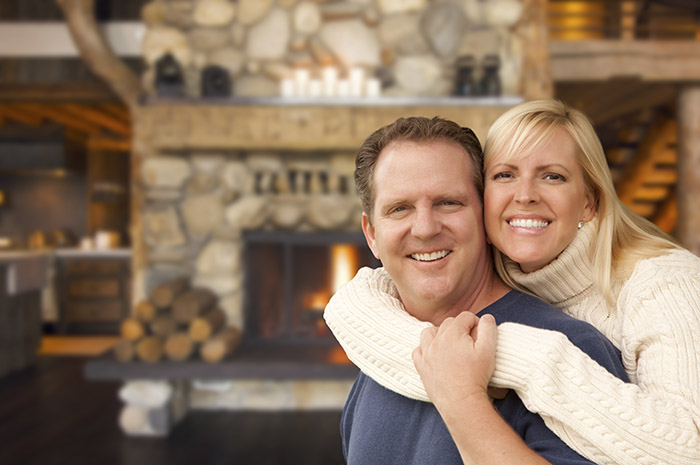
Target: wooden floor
point(50, 415)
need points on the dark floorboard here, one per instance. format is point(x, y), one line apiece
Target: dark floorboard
point(50, 415)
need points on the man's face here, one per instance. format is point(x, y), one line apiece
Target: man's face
point(427, 226)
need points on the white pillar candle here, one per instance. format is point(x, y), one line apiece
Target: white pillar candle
point(373, 87)
point(301, 82)
point(329, 76)
point(287, 87)
point(315, 88)
point(357, 81)
point(343, 88)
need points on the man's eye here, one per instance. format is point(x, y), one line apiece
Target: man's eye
point(503, 175)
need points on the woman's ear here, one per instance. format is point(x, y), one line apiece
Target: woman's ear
point(591, 206)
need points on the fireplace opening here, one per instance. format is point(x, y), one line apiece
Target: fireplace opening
point(289, 279)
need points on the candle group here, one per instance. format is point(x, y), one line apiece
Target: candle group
point(330, 84)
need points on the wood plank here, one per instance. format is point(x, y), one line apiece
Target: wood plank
point(54, 114)
point(89, 113)
point(18, 114)
point(93, 91)
point(651, 60)
point(108, 144)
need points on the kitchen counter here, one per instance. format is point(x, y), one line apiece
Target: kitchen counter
point(87, 253)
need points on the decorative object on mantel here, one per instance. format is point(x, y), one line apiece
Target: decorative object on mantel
point(216, 82)
point(177, 322)
point(490, 81)
point(465, 85)
point(169, 79)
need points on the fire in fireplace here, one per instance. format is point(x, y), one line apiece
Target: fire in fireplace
point(289, 278)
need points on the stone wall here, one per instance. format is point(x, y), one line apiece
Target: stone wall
point(411, 46)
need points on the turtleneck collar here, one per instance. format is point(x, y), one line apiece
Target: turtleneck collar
point(566, 276)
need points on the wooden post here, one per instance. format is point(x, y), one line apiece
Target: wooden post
point(536, 74)
point(688, 187)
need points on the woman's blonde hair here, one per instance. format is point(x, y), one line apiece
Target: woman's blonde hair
point(623, 237)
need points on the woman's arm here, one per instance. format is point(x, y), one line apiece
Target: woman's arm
point(598, 415)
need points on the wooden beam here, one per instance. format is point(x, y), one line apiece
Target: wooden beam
point(91, 114)
point(87, 92)
point(649, 60)
point(117, 111)
point(99, 143)
point(20, 115)
point(688, 189)
point(54, 114)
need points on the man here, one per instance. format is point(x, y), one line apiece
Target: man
point(420, 184)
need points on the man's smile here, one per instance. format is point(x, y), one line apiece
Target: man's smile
point(430, 256)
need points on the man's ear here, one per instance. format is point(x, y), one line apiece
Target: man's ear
point(368, 230)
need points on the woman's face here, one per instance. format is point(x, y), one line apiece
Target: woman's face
point(533, 203)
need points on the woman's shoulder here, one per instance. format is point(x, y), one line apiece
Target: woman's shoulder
point(673, 262)
point(677, 269)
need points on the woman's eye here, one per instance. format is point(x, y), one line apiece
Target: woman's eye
point(554, 177)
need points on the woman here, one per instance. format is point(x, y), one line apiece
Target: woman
point(604, 265)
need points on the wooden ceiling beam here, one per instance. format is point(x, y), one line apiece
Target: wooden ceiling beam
point(54, 114)
point(108, 144)
point(17, 113)
point(116, 110)
point(91, 114)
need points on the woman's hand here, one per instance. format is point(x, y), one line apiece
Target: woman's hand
point(456, 359)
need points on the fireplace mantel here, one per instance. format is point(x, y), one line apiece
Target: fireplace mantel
point(295, 124)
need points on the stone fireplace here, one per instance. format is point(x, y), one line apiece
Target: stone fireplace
point(224, 191)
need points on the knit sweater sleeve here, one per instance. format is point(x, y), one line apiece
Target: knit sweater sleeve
point(595, 413)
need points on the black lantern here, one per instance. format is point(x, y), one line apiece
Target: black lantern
point(169, 80)
point(216, 82)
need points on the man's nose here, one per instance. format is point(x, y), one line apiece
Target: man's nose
point(426, 223)
point(526, 192)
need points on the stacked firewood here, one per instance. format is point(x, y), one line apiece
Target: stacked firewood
point(177, 322)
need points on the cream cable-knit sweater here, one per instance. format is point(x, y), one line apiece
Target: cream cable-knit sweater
point(655, 323)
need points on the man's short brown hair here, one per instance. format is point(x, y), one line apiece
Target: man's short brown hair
point(413, 129)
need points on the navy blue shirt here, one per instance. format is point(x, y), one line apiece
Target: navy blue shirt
point(379, 426)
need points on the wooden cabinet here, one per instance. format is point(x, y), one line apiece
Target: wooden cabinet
point(94, 292)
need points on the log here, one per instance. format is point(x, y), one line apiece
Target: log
point(223, 344)
point(192, 304)
point(163, 326)
point(150, 349)
point(179, 346)
point(165, 294)
point(125, 350)
point(96, 52)
point(145, 311)
point(131, 329)
point(203, 327)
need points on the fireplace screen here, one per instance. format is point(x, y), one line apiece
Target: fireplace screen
point(289, 278)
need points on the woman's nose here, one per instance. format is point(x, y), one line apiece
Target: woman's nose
point(526, 192)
